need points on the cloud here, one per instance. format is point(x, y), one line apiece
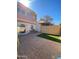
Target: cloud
point(27, 3)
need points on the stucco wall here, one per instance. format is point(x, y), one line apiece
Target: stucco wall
point(25, 14)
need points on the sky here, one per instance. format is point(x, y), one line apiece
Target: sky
point(45, 7)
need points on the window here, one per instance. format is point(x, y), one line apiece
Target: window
point(58, 57)
point(26, 13)
point(23, 12)
point(18, 9)
point(29, 15)
point(20, 25)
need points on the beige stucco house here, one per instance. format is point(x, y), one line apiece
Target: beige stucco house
point(26, 17)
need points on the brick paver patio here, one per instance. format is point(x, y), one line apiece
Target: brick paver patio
point(33, 47)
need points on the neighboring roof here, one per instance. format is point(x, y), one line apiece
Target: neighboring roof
point(42, 22)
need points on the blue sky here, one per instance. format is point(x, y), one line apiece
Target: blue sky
point(46, 7)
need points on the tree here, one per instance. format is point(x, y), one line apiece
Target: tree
point(46, 19)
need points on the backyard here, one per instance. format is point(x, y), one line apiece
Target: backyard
point(50, 37)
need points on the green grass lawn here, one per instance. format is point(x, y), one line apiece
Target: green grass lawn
point(50, 37)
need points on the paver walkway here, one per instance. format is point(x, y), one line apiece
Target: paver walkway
point(33, 47)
